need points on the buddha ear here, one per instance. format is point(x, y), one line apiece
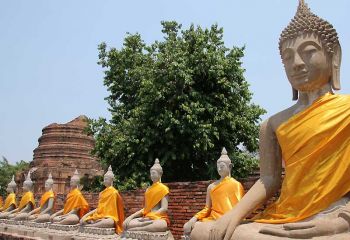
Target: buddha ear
point(336, 62)
point(295, 94)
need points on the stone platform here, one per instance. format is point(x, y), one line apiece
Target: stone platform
point(140, 235)
point(46, 231)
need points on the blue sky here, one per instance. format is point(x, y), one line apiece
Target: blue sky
point(48, 54)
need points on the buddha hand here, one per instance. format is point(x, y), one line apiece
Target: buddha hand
point(223, 228)
point(313, 228)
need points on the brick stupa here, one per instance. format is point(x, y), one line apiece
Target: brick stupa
point(62, 149)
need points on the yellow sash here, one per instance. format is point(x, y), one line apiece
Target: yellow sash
point(1, 202)
point(28, 197)
point(315, 146)
point(153, 196)
point(224, 197)
point(110, 205)
point(10, 199)
point(76, 200)
point(45, 197)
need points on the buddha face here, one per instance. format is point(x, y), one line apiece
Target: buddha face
point(74, 182)
point(107, 181)
point(26, 187)
point(307, 64)
point(224, 169)
point(48, 186)
point(155, 175)
point(9, 189)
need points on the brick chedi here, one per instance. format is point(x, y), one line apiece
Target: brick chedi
point(62, 149)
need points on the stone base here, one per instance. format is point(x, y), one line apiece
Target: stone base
point(65, 228)
point(141, 235)
point(36, 225)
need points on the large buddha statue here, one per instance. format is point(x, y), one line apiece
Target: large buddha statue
point(222, 196)
point(312, 137)
point(75, 206)
point(43, 212)
point(110, 210)
point(153, 217)
point(27, 202)
point(10, 201)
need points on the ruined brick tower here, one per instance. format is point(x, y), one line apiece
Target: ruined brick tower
point(62, 149)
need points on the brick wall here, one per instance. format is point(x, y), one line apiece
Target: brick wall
point(185, 199)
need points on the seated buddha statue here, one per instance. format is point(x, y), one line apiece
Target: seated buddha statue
point(110, 209)
point(27, 202)
point(153, 217)
point(43, 212)
point(10, 201)
point(312, 137)
point(75, 206)
point(222, 196)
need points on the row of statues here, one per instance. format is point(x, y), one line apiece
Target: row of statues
point(222, 196)
point(311, 138)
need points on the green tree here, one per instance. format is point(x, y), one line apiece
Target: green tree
point(180, 100)
point(6, 172)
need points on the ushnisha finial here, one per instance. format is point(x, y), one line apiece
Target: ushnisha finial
point(12, 184)
point(28, 180)
point(49, 179)
point(109, 172)
point(75, 176)
point(156, 166)
point(305, 21)
point(224, 156)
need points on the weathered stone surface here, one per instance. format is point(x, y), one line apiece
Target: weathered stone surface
point(62, 149)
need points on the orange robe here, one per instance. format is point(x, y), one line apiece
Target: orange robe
point(27, 198)
point(1, 202)
point(315, 146)
point(110, 205)
point(45, 197)
point(76, 200)
point(10, 199)
point(224, 197)
point(153, 195)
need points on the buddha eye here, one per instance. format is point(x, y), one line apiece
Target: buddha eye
point(309, 50)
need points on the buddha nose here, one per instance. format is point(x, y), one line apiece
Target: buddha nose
point(298, 63)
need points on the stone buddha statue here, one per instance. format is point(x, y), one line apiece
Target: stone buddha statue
point(153, 217)
point(312, 137)
point(43, 212)
point(110, 210)
point(10, 201)
point(27, 202)
point(75, 206)
point(222, 196)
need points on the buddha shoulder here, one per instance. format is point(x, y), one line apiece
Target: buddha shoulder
point(277, 119)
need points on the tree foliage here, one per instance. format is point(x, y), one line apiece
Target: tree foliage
point(7, 170)
point(180, 100)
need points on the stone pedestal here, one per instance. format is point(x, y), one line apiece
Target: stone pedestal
point(141, 235)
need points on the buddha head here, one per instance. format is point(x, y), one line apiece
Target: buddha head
point(224, 164)
point(27, 184)
point(12, 185)
point(156, 171)
point(108, 177)
point(310, 52)
point(49, 183)
point(75, 179)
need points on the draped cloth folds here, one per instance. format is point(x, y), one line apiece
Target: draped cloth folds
point(76, 200)
point(10, 200)
point(315, 146)
point(110, 205)
point(224, 197)
point(153, 195)
point(45, 197)
point(1, 202)
point(28, 197)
